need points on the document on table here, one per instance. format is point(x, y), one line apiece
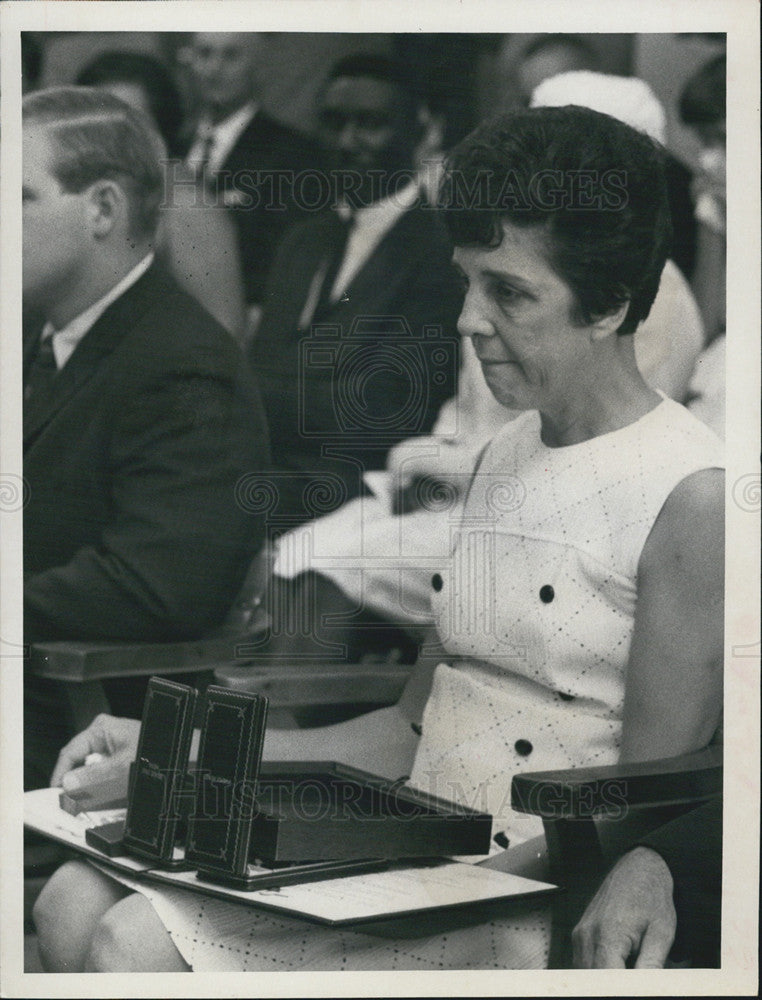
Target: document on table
point(381, 484)
point(43, 814)
point(406, 887)
point(402, 889)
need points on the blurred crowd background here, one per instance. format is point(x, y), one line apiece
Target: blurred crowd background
point(465, 77)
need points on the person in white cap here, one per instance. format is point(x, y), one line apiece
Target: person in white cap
point(670, 340)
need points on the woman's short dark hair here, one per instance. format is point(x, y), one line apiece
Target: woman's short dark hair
point(151, 76)
point(593, 185)
point(95, 136)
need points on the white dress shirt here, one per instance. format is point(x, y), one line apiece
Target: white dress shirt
point(369, 226)
point(66, 339)
point(220, 137)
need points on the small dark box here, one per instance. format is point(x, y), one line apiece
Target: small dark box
point(159, 770)
point(230, 751)
point(317, 810)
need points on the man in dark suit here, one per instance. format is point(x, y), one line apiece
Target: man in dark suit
point(357, 347)
point(139, 418)
point(258, 166)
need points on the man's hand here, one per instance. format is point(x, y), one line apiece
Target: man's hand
point(115, 739)
point(632, 914)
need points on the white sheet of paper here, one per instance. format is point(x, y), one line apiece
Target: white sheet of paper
point(380, 483)
point(399, 890)
point(43, 814)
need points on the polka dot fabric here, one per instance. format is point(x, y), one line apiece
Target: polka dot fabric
point(538, 605)
point(213, 935)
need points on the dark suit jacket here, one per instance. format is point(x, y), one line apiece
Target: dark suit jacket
point(692, 847)
point(134, 528)
point(259, 182)
point(376, 370)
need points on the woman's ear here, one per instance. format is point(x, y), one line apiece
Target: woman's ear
point(107, 206)
point(610, 323)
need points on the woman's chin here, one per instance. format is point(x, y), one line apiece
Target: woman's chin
point(507, 395)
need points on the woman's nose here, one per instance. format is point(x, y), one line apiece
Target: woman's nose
point(472, 320)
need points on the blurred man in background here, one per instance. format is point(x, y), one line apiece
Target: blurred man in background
point(368, 287)
point(243, 155)
point(358, 346)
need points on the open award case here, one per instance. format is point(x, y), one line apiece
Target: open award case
point(312, 838)
point(317, 810)
point(325, 818)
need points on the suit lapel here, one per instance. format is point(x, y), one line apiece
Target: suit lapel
point(239, 154)
point(99, 342)
point(375, 283)
point(310, 260)
point(261, 139)
point(32, 331)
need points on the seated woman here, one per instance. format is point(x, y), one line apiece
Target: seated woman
point(581, 621)
point(384, 562)
point(196, 239)
point(702, 109)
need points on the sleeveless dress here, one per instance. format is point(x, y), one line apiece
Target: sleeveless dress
point(537, 607)
point(538, 604)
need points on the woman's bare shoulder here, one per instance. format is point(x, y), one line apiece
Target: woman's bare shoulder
point(690, 527)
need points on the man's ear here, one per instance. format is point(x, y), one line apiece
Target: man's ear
point(107, 207)
point(430, 129)
point(610, 323)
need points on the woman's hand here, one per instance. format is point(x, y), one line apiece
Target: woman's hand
point(115, 739)
point(673, 692)
point(631, 916)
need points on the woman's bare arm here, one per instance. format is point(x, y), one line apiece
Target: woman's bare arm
point(673, 692)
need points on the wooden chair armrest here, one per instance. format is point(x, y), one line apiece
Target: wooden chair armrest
point(594, 815)
point(79, 662)
point(89, 661)
point(587, 791)
point(302, 685)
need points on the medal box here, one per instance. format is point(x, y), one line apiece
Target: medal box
point(318, 810)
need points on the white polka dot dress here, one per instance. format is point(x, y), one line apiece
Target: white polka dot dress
point(537, 609)
point(537, 604)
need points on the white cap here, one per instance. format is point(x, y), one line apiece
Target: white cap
point(624, 97)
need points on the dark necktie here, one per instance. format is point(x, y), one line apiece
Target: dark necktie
point(41, 375)
point(333, 258)
point(202, 168)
